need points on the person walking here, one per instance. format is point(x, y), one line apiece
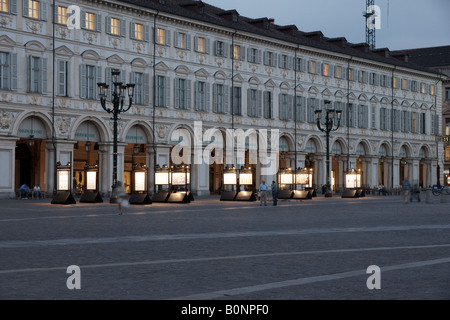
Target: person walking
point(263, 188)
point(121, 197)
point(406, 188)
point(274, 192)
point(415, 193)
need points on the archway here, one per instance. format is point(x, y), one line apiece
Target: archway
point(31, 153)
point(86, 157)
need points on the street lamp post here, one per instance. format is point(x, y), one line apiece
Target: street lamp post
point(327, 127)
point(118, 99)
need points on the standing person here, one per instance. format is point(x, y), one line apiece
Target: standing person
point(24, 190)
point(415, 193)
point(121, 197)
point(274, 192)
point(406, 188)
point(37, 192)
point(263, 188)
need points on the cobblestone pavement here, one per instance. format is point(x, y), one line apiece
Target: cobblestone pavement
point(211, 249)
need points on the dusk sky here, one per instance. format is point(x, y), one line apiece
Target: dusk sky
point(406, 24)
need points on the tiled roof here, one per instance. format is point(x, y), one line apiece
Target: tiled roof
point(429, 57)
point(223, 18)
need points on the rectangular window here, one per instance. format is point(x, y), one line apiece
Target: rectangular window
point(220, 98)
point(414, 86)
point(237, 100)
point(161, 36)
point(89, 21)
point(423, 88)
point(300, 108)
point(351, 118)
point(90, 82)
point(373, 119)
point(254, 55)
point(201, 96)
point(285, 62)
point(200, 44)
point(62, 15)
point(284, 107)
point(362, 76)
point(313, 104)
point(413, 122)
point(338, 72)
point(33, 9)
point(300, 64)
point(181, 40)
point(4, 6)
point(362, 116)
point(35, 74)
point(404, 84)
point(5, 70)
point(326, 69)
point(138, 80)
point(270, 59)
point(351, 74)
point(432, 90)
point(162, 91)
point(138, 33)
point(115, 27)
point(268, 104)
point(422, 123)
point(237, 52)
point(221, 49)
point(312, 67)
point(447, 93)
point(182, 94)
point(252, 103)
point(373, 79)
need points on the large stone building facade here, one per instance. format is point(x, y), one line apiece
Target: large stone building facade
point(191, 62)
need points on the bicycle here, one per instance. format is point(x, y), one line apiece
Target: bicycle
point(442, 190)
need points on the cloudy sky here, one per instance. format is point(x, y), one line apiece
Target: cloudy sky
point(405, 24)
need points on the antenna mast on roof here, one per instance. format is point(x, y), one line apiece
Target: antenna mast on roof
point(370, 15)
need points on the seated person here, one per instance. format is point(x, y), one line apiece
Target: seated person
point(37, 192)
point(382, 189)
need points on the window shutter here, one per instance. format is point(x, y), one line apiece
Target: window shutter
point(108, 25)
point(39, 88)
point(188, 94)
point(226, 98)
point(167, 100)
point(98, 20)
point(275, 59)
point(132, 30)
point(290, 111)
point(167, 35)
point(249, 55)
point(83, 82)
point(195, 43)
point(146, 32)
point(14, 71)
point(215, 102)
point(207, 97)
point(25, 8)
point(122, 28)
point(266, 58)
point(146, 89)
point(60, 77)
point(259, 103)
point(241, 53)
point(188, 42)
point(13, 4)
point(83, 19)
point(207, 45)
point(176, 93)
point(249, 103)
point(43, 13)
point(98, 78)
point(196, 95)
